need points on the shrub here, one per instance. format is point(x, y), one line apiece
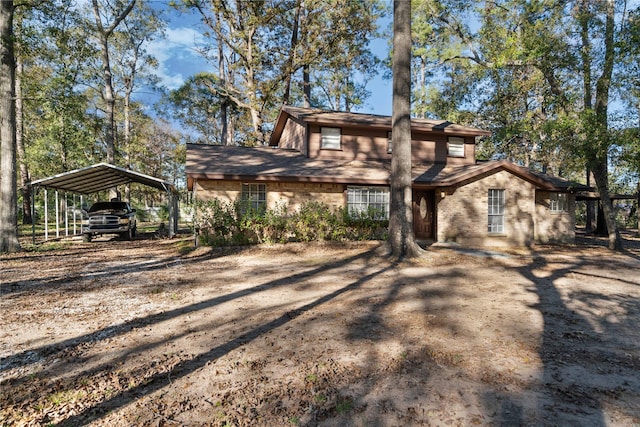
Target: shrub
point(223, 224)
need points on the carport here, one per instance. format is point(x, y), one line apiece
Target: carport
point(101, 177)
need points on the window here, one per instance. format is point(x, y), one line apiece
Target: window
point(455, 147)
point(389, 143)
point(362, 200)
point(558, 202)
point(496, 211)
point(254, 197)
point(330, 138)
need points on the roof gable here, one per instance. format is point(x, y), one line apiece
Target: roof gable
point(338, 118)
point(445, 176)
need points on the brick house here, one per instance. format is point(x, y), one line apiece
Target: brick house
point(344, 160)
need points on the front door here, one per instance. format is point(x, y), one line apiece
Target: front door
point(424, 209)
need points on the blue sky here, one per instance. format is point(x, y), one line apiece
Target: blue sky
point(179, 59)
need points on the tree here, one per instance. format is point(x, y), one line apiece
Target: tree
point(198, 105)
point(628, 79)
point(541, 78)
point(103, 32)
point(25, 179)
point(597, 125)
point(8, 183)
point(260, 48)
point(58, 123)
point(333, 52)
point(133, 65)
point(401, 236)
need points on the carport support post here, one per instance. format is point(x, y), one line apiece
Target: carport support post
point(74, 214)
point(57, 215)
point(46, 216)
point(171, 212)
point(66, 215)
point(33, 215)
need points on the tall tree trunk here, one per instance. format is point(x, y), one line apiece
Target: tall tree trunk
point(584, 17)
point(306, 67)
point(591, 206)
point(225, 136)
point(25, 179)
point(110, 104)
point(8, 184)
point(599, 157)
point(638, 205)
point(252, 88)
point(292, 55)
point(127, 134)
point(103, 34)
point(306, 85)
point(401, 236)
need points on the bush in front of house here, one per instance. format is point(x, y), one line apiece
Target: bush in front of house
point(231, 224)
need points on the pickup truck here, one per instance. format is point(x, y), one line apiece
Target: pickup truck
point(113, 217)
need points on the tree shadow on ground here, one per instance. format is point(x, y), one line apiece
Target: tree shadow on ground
point(571, 342)
point(188, 365)
point(630, 240)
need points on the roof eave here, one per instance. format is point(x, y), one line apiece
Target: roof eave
point(285, 178)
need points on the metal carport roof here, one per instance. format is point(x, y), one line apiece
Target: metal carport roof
point(98, 177)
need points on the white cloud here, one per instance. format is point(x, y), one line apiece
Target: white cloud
point(177, 55)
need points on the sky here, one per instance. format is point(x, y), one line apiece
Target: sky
point(179, 59)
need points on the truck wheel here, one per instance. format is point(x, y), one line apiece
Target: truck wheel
point(130, 234)
point(86, 237)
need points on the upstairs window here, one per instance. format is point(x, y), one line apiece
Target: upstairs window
point(330, 138)
point(455, 147)
point(389, 143)
point(496, 211)
point(558, 203)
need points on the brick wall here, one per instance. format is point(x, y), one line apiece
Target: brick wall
point(293, 195)
point(225, 191)
point(555, 227)
point(462, 215)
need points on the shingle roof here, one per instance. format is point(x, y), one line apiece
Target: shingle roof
point(273, 164)
point(442, 175)
point(266, 164)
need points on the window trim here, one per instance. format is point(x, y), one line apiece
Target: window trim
point(558, 203)
point(377, 197)
point(456, 141)
point(250, 189)
point(496, 211)
point(324, 142)
point(389, 143)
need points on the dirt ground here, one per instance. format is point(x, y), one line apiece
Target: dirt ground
point(155, 332)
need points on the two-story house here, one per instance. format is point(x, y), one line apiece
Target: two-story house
point(344, 160)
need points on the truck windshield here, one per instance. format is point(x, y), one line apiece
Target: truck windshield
point(108, 206)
